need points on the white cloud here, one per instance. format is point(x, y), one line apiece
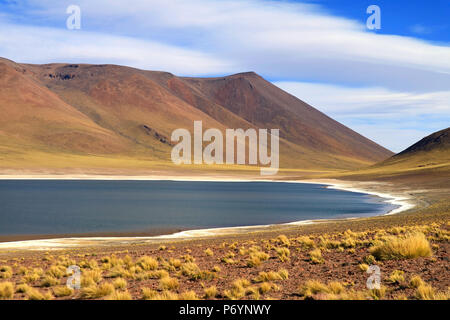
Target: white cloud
point(45, 45)
point(402, 83)
point(391, 118)
point(278, 39)
point(420, 29)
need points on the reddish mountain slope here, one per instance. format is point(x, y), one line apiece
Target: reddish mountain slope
point(121, 111)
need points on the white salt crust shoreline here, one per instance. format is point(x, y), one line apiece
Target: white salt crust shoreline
point(403, 202)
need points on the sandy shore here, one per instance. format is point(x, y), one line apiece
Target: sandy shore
point(403, 200)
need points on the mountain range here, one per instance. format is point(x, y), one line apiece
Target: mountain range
point(107, 116)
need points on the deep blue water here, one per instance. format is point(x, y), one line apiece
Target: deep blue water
point(86, 206)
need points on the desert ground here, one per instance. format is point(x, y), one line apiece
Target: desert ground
point(322, 260)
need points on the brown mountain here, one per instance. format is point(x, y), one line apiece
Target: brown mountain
point(425, 163)
point(435, 142)
point(431, 151)
point(106, 116)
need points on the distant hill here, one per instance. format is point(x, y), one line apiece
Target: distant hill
point(104, 116)
point(438, 141)
point(433, 150)
point(427, 162)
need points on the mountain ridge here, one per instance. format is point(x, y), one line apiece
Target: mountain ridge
point(130, 112)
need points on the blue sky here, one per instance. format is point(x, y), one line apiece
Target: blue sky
point(391, 85)
point(428, 20)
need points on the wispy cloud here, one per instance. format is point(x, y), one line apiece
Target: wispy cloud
point(278, 39)
point(399, 79)
point(43, 45)
point(392, 118)
point(420, 29)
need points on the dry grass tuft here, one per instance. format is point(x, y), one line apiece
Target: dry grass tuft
point(91, 277)
point(363, 267)
point(397, 276)
point(35, 294)
point(408, 246)
point(210, 292)
point(283, 240)
point(147, 263)
point(119, 295)
point(149, 294)
point(283, 253)
point(427, 292)
point(63, 291)
point(49, 281)
point(6, 290)
point(120, 283)
point(22, 288)
point(238, 289)
point(168, 283)
point(56, 272)
point(188, 295)
point(5, 272)
point(272, 276)
point(416, 281)
point(97, 291)
point(316, 256)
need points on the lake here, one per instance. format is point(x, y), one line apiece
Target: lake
point(50, 207)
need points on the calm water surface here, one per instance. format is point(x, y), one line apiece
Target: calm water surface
point(80, 206)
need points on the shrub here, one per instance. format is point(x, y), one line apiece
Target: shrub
point(120, 283)
point(56, 271)
point(117, 295)
point(191, 270)
point(5, 272)
point(284, 274)
point(377, 294)
point(370, 259)
point(416, 281)
point(363, 267)
point(306, 242)
point(49, 281)
point(91, 277)
point(272, 276)
point(396, 276)
point(210, 292)
point(312, 287)
point(22, 288)
point(35, 294)
point(209, 252)
point(282, 239)
point(97, 291)
point(188, 295)
point(62, 291)
point(147, 263)
point(334, 290)
point(157, 274)
point(283, 253)
point(403, 247)
point(253, 261)
point(6, 290)
point(425, 292)
point(168, 283)
point(265, 287)
point(316, 256)
point(237, 290)
point(149, 294)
